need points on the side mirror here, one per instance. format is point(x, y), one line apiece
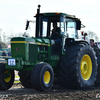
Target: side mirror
point(78, 24)
point(85, 34)
point(27, 24)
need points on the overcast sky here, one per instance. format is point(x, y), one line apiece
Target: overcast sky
point(14, 13)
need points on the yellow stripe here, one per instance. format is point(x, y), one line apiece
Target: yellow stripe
point(48, 44)
point(19, 42)
point(42, 44)
point(31, 42)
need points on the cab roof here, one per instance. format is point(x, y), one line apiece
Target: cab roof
point(57, 14)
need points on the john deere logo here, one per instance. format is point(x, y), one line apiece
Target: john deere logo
point(16, 49)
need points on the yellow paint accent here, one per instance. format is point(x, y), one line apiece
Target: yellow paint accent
point(42, 44)
point(8, 78)
point(48, 44)
point(86, 67)
point(19, 42)
point(30, 43)
point(47, 77)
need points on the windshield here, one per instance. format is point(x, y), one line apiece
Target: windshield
point(71, 28)
point(47, 25)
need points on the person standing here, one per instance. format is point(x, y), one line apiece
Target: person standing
point(4, 54)
point(9, 53)
point(92, 43)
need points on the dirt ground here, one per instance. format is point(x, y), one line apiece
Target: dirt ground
point(17, 92)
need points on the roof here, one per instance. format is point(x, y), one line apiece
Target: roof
point(58, 14)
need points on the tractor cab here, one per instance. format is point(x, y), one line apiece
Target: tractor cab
point(67, 24)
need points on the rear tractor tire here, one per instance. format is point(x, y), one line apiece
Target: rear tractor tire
point(78, 68)
point(6, 77)
point(42, 77)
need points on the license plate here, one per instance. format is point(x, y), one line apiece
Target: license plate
point(11, 62)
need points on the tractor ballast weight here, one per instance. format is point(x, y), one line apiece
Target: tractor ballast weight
point(74, 63)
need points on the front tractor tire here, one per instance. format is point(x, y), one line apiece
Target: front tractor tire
point(78, 68)
point(42, 77)
point(6, 77)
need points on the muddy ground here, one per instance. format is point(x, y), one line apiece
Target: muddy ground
point(17, 92)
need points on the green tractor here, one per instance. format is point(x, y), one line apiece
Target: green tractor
point(74, 64)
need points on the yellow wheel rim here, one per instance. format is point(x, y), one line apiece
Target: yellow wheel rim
point(86, 67)
point(8, 78)
point(47, 77)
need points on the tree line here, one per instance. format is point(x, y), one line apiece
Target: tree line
point(5, 38)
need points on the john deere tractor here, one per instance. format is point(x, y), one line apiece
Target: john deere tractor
point(74, 64)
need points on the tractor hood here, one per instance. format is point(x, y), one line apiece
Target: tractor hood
point(28, 48)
